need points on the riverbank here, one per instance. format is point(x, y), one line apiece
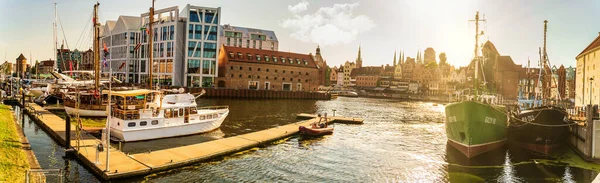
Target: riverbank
point(13, 159)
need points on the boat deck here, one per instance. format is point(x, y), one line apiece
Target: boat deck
point(123, 165)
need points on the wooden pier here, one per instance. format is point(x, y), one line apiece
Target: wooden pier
point(123, 165)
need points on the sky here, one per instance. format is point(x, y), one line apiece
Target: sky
point(339, 27)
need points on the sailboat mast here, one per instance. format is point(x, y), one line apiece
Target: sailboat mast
point(476, 53)
point(55, 39)
point(96, 48)
point(150, 50)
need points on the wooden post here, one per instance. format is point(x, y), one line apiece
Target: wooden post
point(68, 132)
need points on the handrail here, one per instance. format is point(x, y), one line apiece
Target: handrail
point(214, 107)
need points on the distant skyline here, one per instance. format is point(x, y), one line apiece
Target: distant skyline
point(339, 27)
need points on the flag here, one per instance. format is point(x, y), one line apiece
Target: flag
point(71, 68)
point(137, 46)
point(122, 65)
point(105, 49)
point(104, 62)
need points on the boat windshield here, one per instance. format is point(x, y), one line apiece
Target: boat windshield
point(128, 107)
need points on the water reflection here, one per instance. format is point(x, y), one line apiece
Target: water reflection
point(400, 141)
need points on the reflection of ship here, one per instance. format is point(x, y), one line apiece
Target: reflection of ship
point(476, 125)
point(146, 114)
point(345, 93)
point(541, 129)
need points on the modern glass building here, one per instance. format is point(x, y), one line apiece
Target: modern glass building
point(202, 25)
point(184, 46)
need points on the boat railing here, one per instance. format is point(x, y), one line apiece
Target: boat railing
point(213, 107)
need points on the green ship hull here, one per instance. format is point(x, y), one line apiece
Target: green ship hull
point(474, 128)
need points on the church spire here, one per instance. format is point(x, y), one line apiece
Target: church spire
point(394, 57)
point(359, 59)
point(318, 50)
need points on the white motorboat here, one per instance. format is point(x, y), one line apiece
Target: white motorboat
point(147, 114)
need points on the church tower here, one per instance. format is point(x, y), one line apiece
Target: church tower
point(359, 59)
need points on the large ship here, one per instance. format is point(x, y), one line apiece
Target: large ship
point(476, 125)
point(540, 127)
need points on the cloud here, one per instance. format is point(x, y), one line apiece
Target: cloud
point(328, 25)
point(298, 8)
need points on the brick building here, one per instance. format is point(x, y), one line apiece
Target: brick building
point(246, 68)
point(367, 76)
point(45, 67)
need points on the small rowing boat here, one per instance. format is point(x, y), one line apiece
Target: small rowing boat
point(315, 131)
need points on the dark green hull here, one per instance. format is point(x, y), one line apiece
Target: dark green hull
point(474, 127)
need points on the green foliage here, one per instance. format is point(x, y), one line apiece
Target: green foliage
point(431, 65)
point(13, 161)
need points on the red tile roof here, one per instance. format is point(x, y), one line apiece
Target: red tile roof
point(594, 44)
point(304, 60)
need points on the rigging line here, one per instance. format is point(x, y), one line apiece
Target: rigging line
point(63, 31)
point(83, 32)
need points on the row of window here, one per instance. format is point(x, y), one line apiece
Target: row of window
point(267, 77)
point(267, 70)
point(171, 115)
point(268, 58)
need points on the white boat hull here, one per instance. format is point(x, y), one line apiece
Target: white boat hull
point(166, 130)
point(86, 113)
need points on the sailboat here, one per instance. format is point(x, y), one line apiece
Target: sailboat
point(91, 99)
point(542, 128)
point(476, 124)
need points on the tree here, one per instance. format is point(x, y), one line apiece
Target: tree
point(443, 58)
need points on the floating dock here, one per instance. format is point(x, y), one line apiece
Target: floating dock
point(122, 165)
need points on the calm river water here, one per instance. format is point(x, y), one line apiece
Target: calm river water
point(400, 141)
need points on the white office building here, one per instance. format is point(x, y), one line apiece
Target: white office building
point(184, 46)
point(248, 38)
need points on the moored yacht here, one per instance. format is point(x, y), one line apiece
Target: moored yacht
point(147, 114)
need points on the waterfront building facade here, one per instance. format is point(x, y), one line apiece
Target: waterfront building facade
point(247, 68)
point(368, 76)
point(428, 56)
point(248, 38)
point(587, 77)
point(333, 76)
point(45, 67)
point(185, 46)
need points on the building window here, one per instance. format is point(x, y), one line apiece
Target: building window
point(231, 55)
point(257, 57)
point(239, 55)
point(247, 43)
point(298, 80)
point(266, 58)
point(275, 70)
point(298, 61)
point(306, 80)
point(284, 71)
point(290, 60)
point(267, 77)
point(291, 79)
point(249, 56)
point(287, 87)
point(274, 78)
point(240, 68)
point(299, 73)
point(257, 77)
point(282, 79)
point(282, 59)
point(249, 68)
point(240, 76)
point(267, 69)
point(258, 69)
point(250, 76)
point(307, 73)
point(291, 72)
point(231, 75)
point(253, 85)
point(231, 68)
point(274, 59)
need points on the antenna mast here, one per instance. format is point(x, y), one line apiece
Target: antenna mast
point(477, 20)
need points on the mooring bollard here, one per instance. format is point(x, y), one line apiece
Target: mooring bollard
point(333, 112)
